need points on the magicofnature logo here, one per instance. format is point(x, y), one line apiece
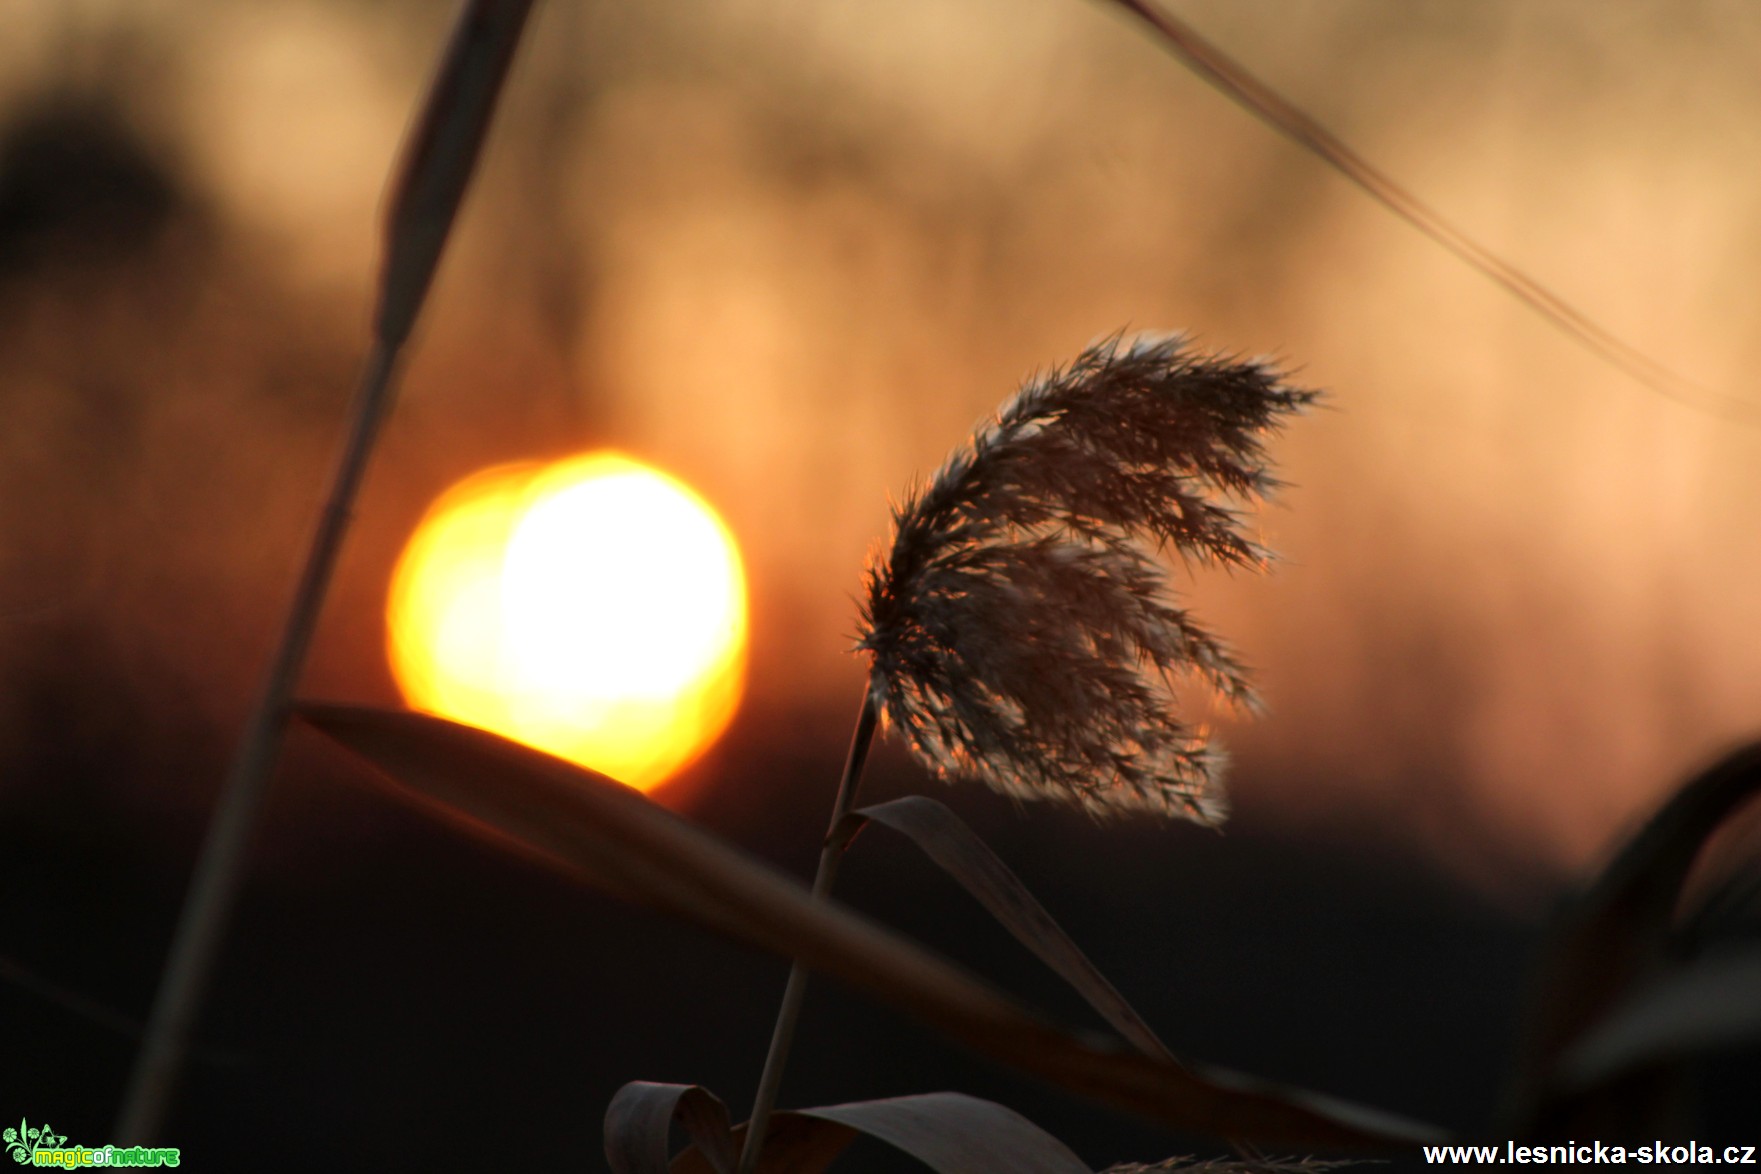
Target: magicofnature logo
point(24, 1142)
point(39, 1145)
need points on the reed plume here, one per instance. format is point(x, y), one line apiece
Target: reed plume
point(1022, 626)
point(1019, 624)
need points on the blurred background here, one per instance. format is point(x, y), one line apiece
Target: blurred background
point(791, 252)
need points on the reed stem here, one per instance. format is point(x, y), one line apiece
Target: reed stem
point(427, 187)
point(831, 854)
point(214, 888)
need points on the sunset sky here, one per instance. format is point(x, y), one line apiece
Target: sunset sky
point(791, 252)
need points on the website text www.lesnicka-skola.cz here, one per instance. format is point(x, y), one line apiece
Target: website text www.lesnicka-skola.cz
point(1592, 1153)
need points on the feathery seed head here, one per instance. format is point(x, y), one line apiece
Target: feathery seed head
point(1021, 624)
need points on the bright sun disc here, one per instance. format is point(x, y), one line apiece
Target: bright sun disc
point(594, 608)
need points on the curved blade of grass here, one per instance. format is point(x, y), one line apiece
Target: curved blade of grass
point(961, 853)
point(604, 830)
point(793, 1144)
point(949, 1132)
point(1617, 932)
point(953, 1133)
point(1713, 1004)
point(1731, 902)
point(639, 1121)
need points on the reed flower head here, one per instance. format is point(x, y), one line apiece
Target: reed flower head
point(1022, 627)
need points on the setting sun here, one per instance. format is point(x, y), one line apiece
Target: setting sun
point(594, 608)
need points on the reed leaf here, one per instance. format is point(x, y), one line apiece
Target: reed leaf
point(440, 155)
point(605, 831)
point(1616, 936)
point(949, 1132)
point(639, 1121)
point(1711, 1005)
point(794, 1143)
point(959, 851)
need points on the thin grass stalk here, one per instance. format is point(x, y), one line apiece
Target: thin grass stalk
point(428, 186)
point(831, 854)
point(213, 891)
point(1233, 80)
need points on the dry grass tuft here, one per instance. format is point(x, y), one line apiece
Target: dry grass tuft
point(1021, 622)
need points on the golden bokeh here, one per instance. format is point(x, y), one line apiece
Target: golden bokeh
point(594, 608)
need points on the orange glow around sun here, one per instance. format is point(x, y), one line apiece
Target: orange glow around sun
point(594, 608)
